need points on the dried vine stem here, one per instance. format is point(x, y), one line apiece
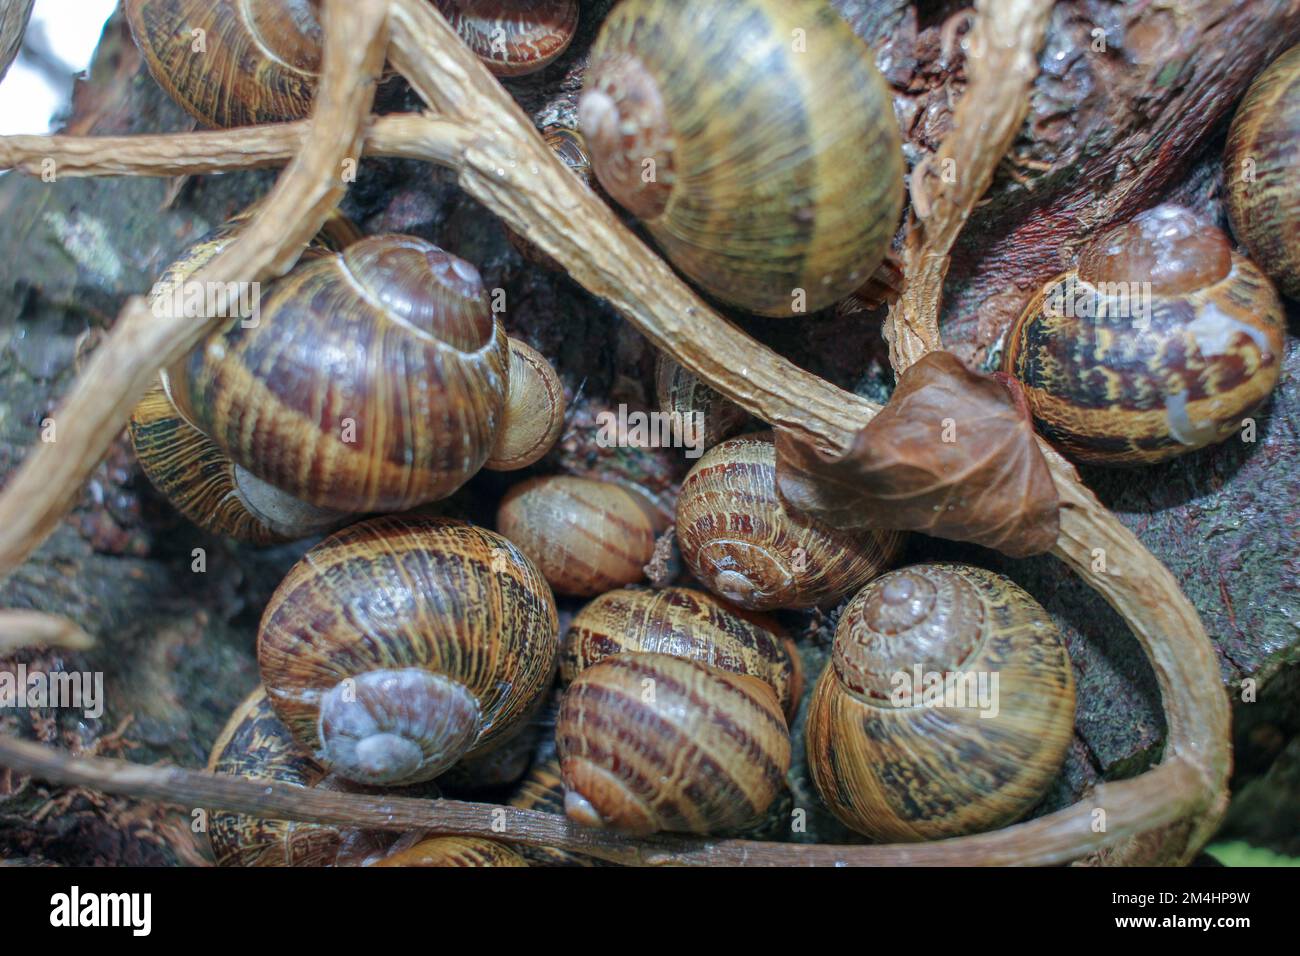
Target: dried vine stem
point(502, 161)
point(144, 338)
point(23, 629)
point(1001, 64)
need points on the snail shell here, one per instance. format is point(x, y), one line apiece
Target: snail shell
point(682, 393)
point(1116, 377)
point(399, 645)
point(688, 624)
point(892, 764)
point(1263, 199)
point(587, 536)
point(649, 742)
point(208, 488)
point(373, 380)
point(746, 545)
point(256, 745)
point(542, 790)
point(232, 62)
point(534, 411)
point(756, 141)
point(513, 37)
point(415, 850)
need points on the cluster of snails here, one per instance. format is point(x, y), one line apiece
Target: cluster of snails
point(404, 648)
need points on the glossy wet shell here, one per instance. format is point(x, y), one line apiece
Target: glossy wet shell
point(687, 624)
point(745, 545)
point(892, 763)
point(413, 596)
point(777, 170)
point(649, 742)
point(513, 37)
point(372, 380)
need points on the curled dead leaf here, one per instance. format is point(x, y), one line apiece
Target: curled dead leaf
point(953, 455)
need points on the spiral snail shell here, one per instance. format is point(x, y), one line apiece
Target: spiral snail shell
point(1263, 201)
point(649, 742)
point(373, 379)
point(232, 62)
point(534, 412)
point(681, 392)
point(746, 545)
point(399, 645)
point(513, 37)
point(687, 624)
point(755, 140)
point(977, 743)
point(1161, 342)
point(587, 536)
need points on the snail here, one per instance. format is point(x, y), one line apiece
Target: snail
point(756, 141)
point(399, 645)
point(746, 545)
point(257, 745)
point(373, 379)
point(571, 148)
point(415, 850)
point(650, 742)
point(680, 392)
point(542, 790)
point(534, 411)
point(513, 37)
point(587, 536)
point(1263, 202)
point(688, 624)
point(190, 470)
point(232, 62)
point(947, 706)
point(1160, 342)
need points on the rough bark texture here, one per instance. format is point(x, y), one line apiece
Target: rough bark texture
point(1103, 140)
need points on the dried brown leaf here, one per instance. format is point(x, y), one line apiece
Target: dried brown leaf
point(953, 455)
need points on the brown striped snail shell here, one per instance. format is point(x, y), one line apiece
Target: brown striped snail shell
point(542, 790)
point(513, 37)
point(204, 485)
point(232, 62)
point(688, 624)
point(399, 645)
point(650, 742)
point(255, 744)
point(373, 379)
point(1119, 373)
point(586, 536)
point(681, 392)
point(1263, 200)
point(900, 763)
point(756, 141)
point(416, 850)
point(534, 412)
point(746, 545)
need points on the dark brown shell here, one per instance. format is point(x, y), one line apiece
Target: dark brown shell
point(687, 624)
point(513, 37)
point(746, 545)
point(1107, 390)
point(892, 763)
point(373, 380)
point(401, 644)
point(681, 392)
point(259, 60)
point(1263, 197)
point(777, 165)
point(649, 742)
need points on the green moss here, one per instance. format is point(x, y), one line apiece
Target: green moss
point(1241, 853)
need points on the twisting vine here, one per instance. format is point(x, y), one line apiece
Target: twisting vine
point(476, 129)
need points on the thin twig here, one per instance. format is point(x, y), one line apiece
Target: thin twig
point(23, 629)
